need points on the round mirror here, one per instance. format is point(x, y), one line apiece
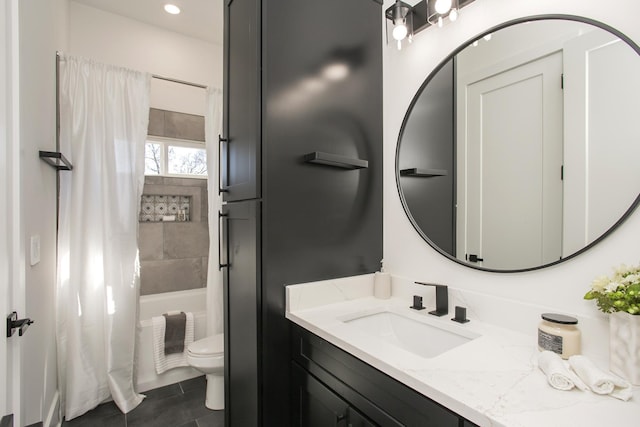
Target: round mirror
point(521, 149)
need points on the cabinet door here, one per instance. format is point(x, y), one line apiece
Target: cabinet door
point(315, 405)
point(240, 246)
point(240, 151)
point(356, 419)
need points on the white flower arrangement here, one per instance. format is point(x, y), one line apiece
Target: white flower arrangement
point(620, 292)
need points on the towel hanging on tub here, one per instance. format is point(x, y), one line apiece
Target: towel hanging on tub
point(165, 330)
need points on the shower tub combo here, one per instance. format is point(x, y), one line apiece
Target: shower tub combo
point(193, 300)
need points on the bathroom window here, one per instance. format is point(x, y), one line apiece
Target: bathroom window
point(173, 157)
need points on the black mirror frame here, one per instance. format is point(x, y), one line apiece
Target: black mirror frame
point(431, 75)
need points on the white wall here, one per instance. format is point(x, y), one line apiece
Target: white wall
point(559, 287)
point(42, 31)
point(116, 40)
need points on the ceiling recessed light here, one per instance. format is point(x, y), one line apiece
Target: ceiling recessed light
point(172, 9)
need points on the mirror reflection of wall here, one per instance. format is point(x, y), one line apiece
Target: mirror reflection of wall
point(544, 145)
point(429, 135)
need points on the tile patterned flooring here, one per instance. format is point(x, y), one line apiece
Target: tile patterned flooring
point(175, 405)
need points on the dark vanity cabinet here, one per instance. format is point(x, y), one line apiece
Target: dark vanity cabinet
point(316, 405)
point(301, 177)
point(332, 387)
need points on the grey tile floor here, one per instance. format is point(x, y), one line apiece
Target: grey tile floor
point(175, 405)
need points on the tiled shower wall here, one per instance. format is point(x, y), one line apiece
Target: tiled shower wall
point(174, 255)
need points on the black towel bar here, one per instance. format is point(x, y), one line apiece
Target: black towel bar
point(423, 173)
point(335, 160)
point(57, 160)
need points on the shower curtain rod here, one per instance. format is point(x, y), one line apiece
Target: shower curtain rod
point(156, 76)
point(182, 82)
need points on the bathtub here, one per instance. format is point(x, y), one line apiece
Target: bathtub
point(193, 300)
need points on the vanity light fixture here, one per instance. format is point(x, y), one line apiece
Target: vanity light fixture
point(399, 22)
point(404, 20)
point(439, 10)
point(172, 9)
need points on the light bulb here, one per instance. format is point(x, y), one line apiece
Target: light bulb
point(453, 15)
point(443, 6)
point(487, 37)
point(400, 31)
point(439, 21)
point(172, 9)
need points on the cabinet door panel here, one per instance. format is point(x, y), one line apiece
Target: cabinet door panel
point(356, 419)
point(241, 243)
point(240, 154)
point(314, 405)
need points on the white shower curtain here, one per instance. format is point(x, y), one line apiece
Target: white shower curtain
point(104, 117)
point(213, 127)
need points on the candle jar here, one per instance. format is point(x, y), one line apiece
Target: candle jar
point(559, 333)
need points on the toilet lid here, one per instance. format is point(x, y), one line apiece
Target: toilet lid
point(209, 345)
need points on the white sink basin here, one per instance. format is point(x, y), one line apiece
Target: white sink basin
point(415, 336)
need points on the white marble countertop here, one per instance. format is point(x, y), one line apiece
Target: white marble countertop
point(492, 380)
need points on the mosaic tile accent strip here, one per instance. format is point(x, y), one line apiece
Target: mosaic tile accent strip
point(154, 207)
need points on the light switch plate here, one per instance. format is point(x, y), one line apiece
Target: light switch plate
point(35, 249)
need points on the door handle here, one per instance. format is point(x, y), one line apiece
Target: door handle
point(221, 188)
point(474, 258)
point(14, 323)
point(222, 265)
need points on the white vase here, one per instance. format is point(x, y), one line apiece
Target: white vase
point(624, 346)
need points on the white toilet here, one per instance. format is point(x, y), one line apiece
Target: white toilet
point(207, 356)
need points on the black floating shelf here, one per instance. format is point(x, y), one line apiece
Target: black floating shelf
point(423, 173)
point(57, 160)
point(335, 160)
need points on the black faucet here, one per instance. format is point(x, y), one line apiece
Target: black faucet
point(442, 299)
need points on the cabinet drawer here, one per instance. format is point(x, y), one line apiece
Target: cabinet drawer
point(362, 385)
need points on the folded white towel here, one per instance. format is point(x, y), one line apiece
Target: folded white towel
point(164, 362)
point(600, 382)
point(558, 374)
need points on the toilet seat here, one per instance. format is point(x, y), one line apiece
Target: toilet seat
point(207, 347)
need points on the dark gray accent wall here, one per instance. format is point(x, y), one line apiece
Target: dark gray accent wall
point(174, 255)
point(171, 124)
point(7, 421)
point(428, 143)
